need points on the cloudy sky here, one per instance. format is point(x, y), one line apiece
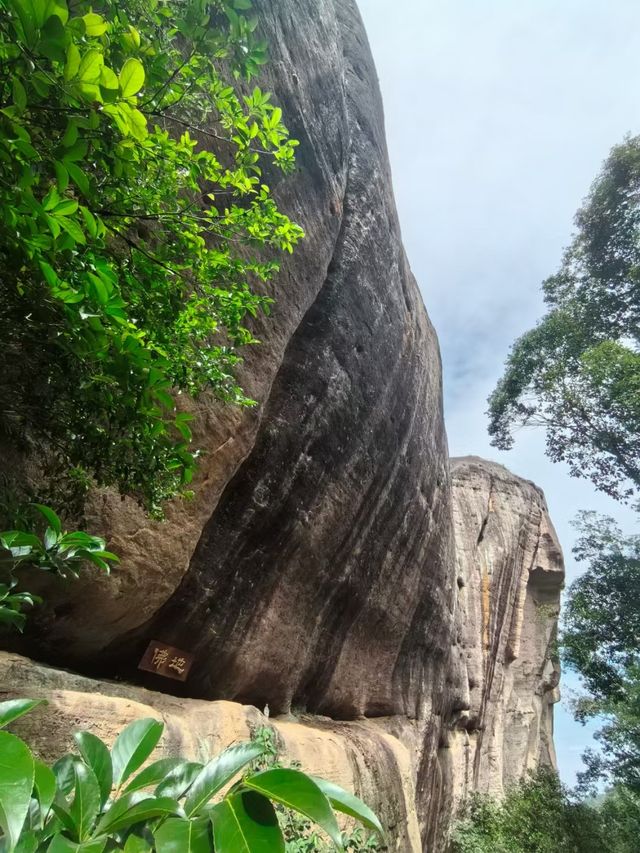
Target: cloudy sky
point(499, 114)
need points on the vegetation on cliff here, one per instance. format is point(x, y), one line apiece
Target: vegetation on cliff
point(132, 254)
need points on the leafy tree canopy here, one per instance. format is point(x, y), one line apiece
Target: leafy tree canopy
point(577, 373)
point(132, 254)
point(601, 641)
point(540, 816)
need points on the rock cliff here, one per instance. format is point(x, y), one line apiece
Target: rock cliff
point(509, 576)
point(316, 569)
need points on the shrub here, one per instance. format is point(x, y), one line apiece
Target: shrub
point(97, 801)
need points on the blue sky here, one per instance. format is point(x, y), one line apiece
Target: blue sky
point(499, 114)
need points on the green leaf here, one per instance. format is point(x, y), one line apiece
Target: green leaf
point(135, 844)
point(153, 774)
point(14, 708)
point(90, 66)
point(217, 772)
point(19, 94)
point(177, 835)
point(17, 773)
point(297, 791)
point(67, 207)
point(52, 519)
point(95, 25)
point(73, 229)
point(109, 79)
point(246, 823)
point(347, 803)
point(78, 177)
point(65, 775)
point(133, 746)
point(62, 176)
point(72, 65)
point(60, 844)
point(86, 802)
point(151, 807)
point(131, 77)
point(179, 780)
point(71, 134)
point(45, 784)
point(98, 757)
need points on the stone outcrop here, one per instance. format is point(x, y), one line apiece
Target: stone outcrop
point(509, 576)
point(362, 756)
point(315, 569)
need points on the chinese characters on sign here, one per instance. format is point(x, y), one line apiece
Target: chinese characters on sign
point(166, 660)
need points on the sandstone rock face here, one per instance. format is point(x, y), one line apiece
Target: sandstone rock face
point(509, 576)
point(315, 568)
point(360, 756)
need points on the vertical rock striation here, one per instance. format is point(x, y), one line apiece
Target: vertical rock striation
point(509, 576)
point(315, 569)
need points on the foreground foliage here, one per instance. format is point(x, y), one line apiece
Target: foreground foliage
point(600, 641)
point(577, 373)
point(131, 253)
point(539, 816)
point(95, 801)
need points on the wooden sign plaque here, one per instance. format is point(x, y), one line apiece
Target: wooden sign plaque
point(166, 660)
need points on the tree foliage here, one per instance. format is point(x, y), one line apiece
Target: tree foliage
point(577, 373)
point(56, 551)
point(97, 801)
point(132, 254)
point(539, 816)
point(601, 641)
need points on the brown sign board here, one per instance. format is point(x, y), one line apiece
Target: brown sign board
point(166, 660)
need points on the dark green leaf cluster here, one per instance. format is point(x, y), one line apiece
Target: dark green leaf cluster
point(94, 802)
point(539, 816)
point(55, 551)
point(132, 254)
point(577, 373)
point(601, 642)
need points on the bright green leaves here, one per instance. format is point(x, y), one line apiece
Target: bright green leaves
point(133, 746)
point(13, 709)
point(86, 802)
point(299, 792)
point(17, 773)
point(136, 286)
point(349, 804)
point(131, 77)
point(72, 64)
point(98, 758)
point(95, 25)
point(74, 807)
point(56, 551)
point(177, 835)
point(218, 772)
point(246, 823)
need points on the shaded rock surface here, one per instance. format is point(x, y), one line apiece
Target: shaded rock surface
point(315, 568)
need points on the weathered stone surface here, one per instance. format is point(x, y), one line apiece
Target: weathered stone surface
point(509, 575)
point(317, 572)
point(360, 756)
point(315, 569)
